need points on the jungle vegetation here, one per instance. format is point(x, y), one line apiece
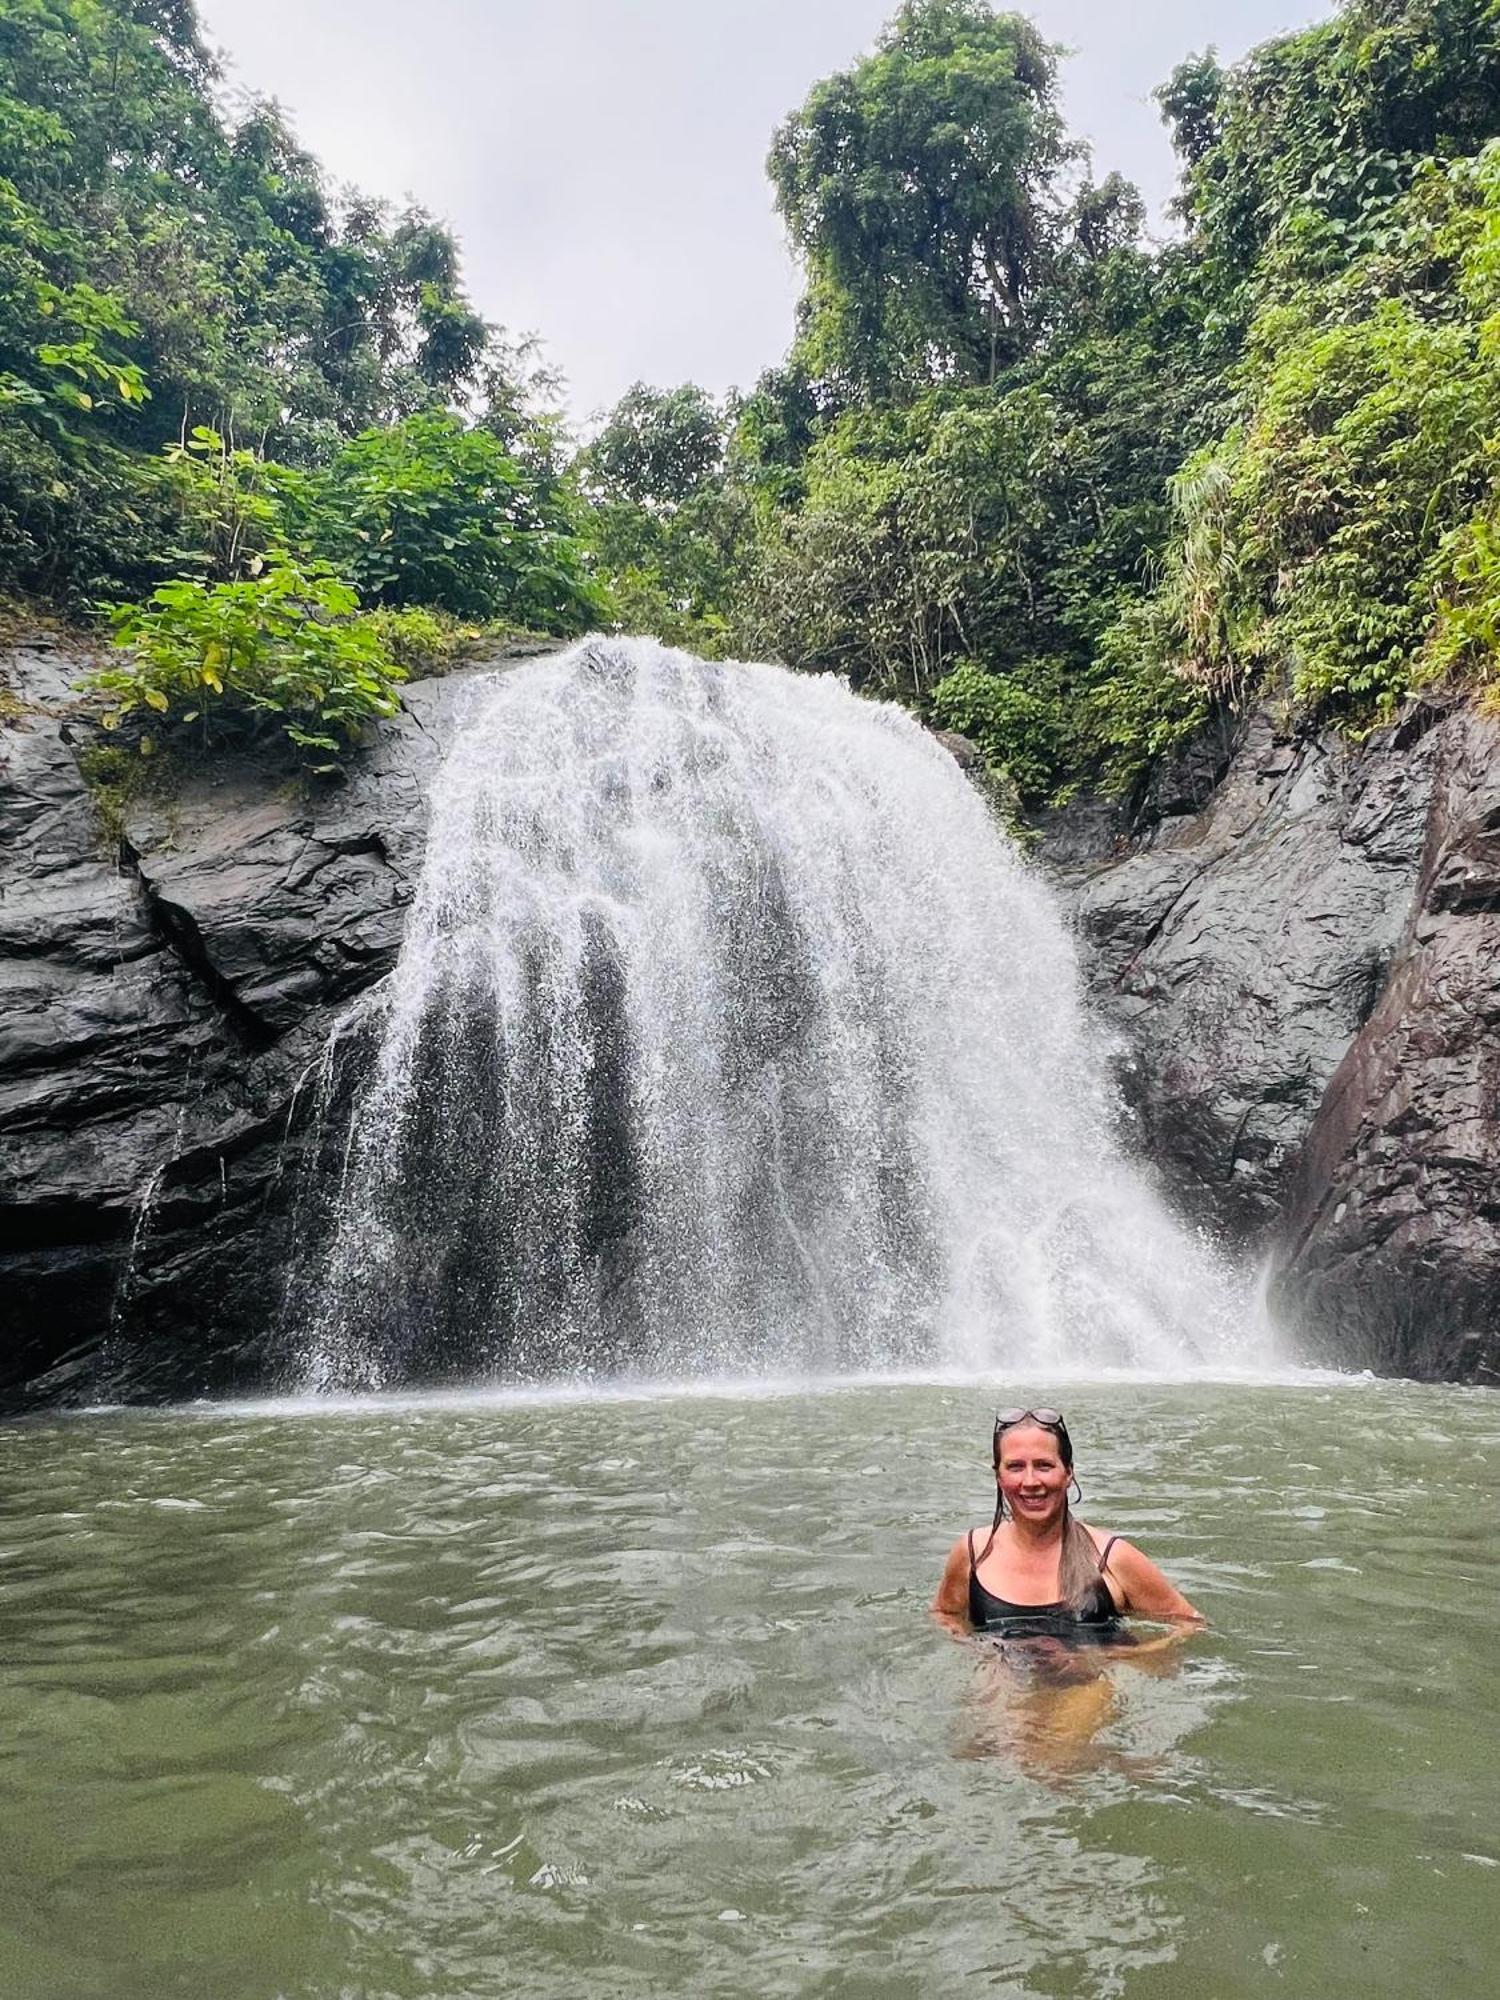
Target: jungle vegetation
point(253, 419)
point(1041, 475)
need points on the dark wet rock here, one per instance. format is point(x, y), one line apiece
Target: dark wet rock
point(1240, 948)
point(163, 1001)
point(1389, 1252)
point(963, 750)
point(1304, 981)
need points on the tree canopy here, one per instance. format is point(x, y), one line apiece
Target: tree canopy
point(920, 188)
point(1024, 468)
point(1262, 456)
point(165, 270)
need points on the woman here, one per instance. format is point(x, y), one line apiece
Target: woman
point(1041, 1572)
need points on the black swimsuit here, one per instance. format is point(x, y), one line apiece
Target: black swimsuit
point(1095, 1614)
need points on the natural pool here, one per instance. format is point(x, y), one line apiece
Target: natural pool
point(638, 1696)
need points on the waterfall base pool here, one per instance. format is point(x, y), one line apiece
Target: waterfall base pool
point(640, 1696)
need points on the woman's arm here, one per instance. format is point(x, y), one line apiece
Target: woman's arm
point(950, 1607)
point(1147, 1592)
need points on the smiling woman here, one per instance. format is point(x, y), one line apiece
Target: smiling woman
point(1041, 1571)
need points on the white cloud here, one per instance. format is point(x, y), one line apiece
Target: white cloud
point(603, 165)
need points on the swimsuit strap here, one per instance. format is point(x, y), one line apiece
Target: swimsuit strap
point(1103, 1556)
point(975, 1561)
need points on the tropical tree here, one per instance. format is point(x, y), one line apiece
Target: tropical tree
point(920, 188)
point(432, 512)
point(668, 525)
point(164, 269)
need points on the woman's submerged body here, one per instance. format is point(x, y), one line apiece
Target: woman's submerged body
point(1013, 1581)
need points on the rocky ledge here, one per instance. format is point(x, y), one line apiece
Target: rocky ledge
point(166, 989)
point(1298, 943)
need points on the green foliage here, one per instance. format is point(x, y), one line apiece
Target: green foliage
point(668, 528)
point(166, 273)
point(1464, 638)
point(916, 568)
point(431, 512)
point(675, 573)
point(775, 428)
point(1140, 700)
point(1000, 527)
point(284, 648)
point(1329, 125)
point(918, 187)
point(425, 643)
point(656, 448)
point(1047, 483)
point(1019, 721)
point(115, 776)
point(1265, 455)
point(1338, 538)
point(226, 507)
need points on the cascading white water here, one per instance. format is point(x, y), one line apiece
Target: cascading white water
point(730, 1033)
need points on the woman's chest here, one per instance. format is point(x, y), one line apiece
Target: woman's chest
point(1028, 1581)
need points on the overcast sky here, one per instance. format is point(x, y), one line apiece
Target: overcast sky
point(602, 161)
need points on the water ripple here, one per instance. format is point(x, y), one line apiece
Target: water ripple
point(422, 1701)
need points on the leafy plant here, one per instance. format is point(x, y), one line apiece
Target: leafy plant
point(284, 649)
point(1020, 722)
point(434, 512)
point(1339, 536)
point(229, 505)
point(424, 642)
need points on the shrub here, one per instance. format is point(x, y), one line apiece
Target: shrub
point(423, 642)
point(1339, 536)
point(1144, 696)
point(284, 649)
point(1022, 721)
point(431, 512)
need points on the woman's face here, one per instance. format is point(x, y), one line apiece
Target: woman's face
point(1033, 1479)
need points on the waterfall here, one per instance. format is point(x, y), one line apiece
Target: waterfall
point(731, 1034)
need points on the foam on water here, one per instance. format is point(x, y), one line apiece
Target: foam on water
point(731, 1036)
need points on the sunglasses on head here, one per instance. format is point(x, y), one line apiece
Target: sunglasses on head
point(1050, 1420)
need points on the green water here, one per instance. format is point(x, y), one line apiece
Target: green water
point(641, 1698)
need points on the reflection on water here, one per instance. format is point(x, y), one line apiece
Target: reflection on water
point(642, 1697)
point(1056, 1709)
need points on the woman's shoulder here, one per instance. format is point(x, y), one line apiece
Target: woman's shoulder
point(976, 1542)
point(969, 1546)
point(1107, 1544)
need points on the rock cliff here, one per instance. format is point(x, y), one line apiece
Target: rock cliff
point(1296, 943)
point(1388, 1250)
point(163, 999)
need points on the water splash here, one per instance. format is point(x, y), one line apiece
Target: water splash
point(141, 1218)
point(729, 1032)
